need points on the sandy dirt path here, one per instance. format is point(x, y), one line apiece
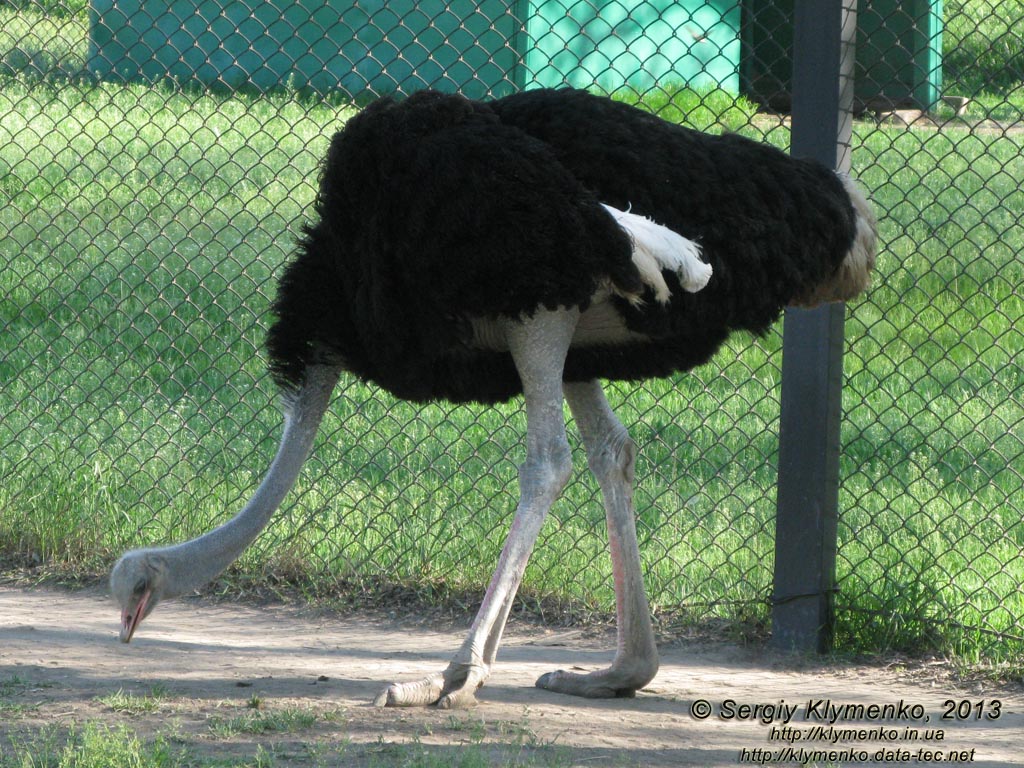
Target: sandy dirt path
point(209, 663)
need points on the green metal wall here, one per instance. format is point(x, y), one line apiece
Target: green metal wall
point(637, 44)
point(369, 44)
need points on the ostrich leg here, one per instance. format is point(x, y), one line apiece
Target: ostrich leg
point(611, 457)
point(538, 347)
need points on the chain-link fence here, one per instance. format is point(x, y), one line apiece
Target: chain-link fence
point(157, 160)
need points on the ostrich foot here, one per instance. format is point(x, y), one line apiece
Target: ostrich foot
point(455, 688)
point(612, 683)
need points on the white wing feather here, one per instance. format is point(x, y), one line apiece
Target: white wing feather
point(657, 248)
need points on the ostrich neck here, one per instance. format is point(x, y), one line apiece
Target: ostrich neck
point(194, 563)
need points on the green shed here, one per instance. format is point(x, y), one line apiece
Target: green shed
point(491, 47)
point(351, 45)
point(479, 47)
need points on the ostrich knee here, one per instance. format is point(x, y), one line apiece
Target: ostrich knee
point(542, 477)
point(614, 462)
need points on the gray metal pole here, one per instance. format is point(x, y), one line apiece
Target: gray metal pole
point(812, 352)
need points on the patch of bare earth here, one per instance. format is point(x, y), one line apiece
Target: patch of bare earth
point(206, 670)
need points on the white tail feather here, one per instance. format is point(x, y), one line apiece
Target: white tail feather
point(657, 248)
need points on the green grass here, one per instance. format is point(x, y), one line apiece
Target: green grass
point(39, 42)
point(142, 227)
point(983, 58)
point(133, 704)
point(983, 47)
point(99, 746)
point(286, 737)
point(12, 706)
point(92, 746)
point(704, 109)
point(283, 721)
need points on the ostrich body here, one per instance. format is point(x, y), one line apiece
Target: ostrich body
point(477, 251)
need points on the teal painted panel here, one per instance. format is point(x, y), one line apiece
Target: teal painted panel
point(639, 44)
point(326, 45)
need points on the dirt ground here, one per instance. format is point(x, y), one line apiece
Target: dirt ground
point(202, 670)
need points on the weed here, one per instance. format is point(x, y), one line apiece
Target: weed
point(288, 720)
point(132, 704)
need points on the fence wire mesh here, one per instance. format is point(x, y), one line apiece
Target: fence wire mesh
point(158, 159)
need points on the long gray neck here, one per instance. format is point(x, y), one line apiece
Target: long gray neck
point(192, 564)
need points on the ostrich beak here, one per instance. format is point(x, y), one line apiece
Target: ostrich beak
point(130, 620)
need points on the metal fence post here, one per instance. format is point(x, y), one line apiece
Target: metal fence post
point(808, 489)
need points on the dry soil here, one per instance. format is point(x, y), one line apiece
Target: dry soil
point(202, 670)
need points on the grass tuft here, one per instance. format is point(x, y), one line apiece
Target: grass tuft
point(260, 721)
point(132, 704)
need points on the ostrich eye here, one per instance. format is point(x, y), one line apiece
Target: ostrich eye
point(140, 587)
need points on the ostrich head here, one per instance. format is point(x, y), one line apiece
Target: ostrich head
point(143, 578)
point(138, 583)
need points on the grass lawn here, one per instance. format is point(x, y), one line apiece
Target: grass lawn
point(142, 228)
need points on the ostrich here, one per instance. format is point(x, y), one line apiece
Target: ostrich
point(530, 245)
